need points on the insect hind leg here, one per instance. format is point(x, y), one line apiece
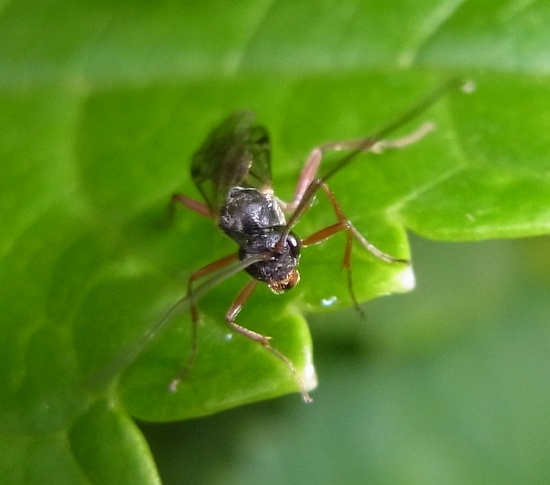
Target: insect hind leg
point(377, 146)
point(369, 144)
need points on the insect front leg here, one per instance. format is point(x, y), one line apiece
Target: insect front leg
point(200, 273)
point(236, 308)
point(263, 340)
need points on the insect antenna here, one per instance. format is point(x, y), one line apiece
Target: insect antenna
point(128, 356)
point(370, 143)
point(375, 143)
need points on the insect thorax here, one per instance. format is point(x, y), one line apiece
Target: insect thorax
point(247, 211)
point(254, 220)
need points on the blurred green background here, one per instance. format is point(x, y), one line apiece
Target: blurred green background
point(447, 384)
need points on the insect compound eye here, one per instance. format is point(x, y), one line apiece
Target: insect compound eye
point(294, 244)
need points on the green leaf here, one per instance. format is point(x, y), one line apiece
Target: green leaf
point(103, 104)
point(446, 384)
point(107, 444)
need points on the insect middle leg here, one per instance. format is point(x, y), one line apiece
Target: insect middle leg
point(344, 224)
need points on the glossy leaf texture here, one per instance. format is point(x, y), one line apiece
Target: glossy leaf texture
point(103, 105)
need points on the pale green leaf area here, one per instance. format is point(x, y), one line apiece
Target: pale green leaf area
point(102, 106)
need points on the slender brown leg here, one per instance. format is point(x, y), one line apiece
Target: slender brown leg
point(204, 271)
point(202, 209)
point(352, 230)
point(373, 145)
point(195, 205)
point(236, 308)
point(263, 340)
point(304, 181)
point(378, 146)
point(344, 224)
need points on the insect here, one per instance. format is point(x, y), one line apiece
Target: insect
point(232, 172)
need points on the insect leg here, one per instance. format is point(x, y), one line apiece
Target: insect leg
point(377, 146)
point(344, 224)
point(204, 271)
point(304, 181)
point(263, 340)
point(375, 143)
point(196, 206)
point(369, 144)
